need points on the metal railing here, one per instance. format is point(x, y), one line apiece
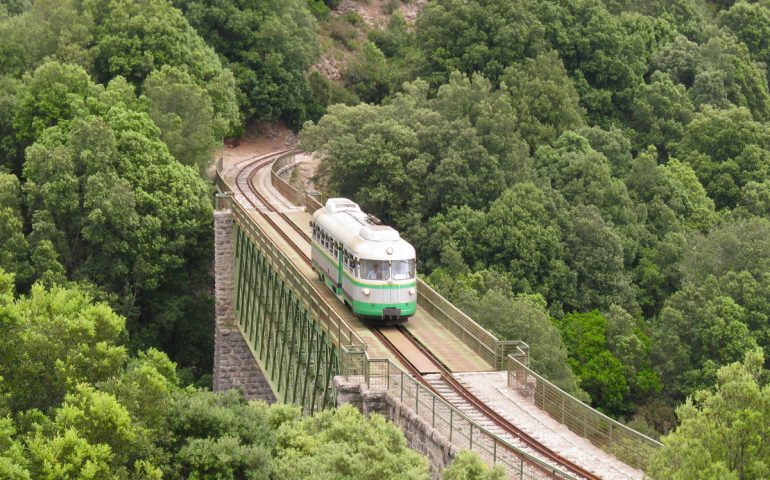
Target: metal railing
point(329, 320)
point(280, 165)
point(626, 443)
point(456, 427)
point(480, 340)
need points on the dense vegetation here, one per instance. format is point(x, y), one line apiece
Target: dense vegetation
point(109, 114)
point(76, 405)
point(590, 176)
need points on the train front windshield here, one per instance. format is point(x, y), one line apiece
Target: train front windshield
point(402, 269)
point(385, 269)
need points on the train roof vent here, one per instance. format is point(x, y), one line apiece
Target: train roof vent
point(379, 233)
point(335, 205)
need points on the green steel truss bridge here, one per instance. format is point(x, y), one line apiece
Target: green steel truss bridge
point(276, 322)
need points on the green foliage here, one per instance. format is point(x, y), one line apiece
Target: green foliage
point(367, 74)
point(454, 149)
point(343, 444)
point(469, 466)
point(750, 22)
point(68, 456)
point(495, 34)
point(108, 203)
point(185, 115)
point(700, 328)
point(48, 29)
point(269, 46)
point(722, 432)
point(53, 340)
point(543, 97)
point(727, 149)
point(661, 110)
point(600, 373)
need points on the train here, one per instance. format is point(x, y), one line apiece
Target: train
point(366, 264)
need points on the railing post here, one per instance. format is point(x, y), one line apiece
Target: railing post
point(417, 399)
point(433, 413)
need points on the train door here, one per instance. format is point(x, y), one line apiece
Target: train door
point(340, 266)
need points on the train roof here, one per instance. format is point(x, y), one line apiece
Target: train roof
point(362, 233)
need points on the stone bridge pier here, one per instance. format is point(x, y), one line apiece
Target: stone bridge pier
point(234, 363)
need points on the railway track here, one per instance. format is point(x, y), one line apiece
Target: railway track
point(439, 379)
point(420, 362)
point(245, 183)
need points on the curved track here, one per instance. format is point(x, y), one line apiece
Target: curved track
point(261, 204)
point(246, 187)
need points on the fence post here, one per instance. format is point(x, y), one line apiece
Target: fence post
point(433, 413)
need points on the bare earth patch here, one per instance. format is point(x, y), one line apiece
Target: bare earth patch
point(259, 139)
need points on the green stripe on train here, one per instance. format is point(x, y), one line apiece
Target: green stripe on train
point(359, 283)
point(375, 309)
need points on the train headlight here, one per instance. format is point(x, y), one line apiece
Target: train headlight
point(366, 291)
point(411, 291)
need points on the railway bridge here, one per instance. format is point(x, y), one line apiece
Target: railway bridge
point(450, 384)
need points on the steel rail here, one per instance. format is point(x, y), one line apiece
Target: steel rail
point(549, 471)
point(261, 163)
point(501, 421)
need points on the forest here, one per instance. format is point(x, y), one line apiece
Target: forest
point(590, 176)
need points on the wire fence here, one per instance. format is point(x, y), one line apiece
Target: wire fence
point(627, 444)
point(457, 428)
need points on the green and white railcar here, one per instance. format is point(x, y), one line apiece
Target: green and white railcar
point(366, 264)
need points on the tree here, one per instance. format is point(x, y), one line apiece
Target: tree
point(750, 22)
point(728, 76)
point(100, 420)
point(469, 466)
point(523, 235)
point(68, 456)
point(699, 329)
point(343, 444)
point(48, 29)
point(185, 115)
point(367, 74)
point(269, 46)
point(133, 38)
point(53, 340)
point(726, 149)
point(596, 261)
point(416, 156)
point(722, 431)
point(599, 372)
point(103, 190)
point(543, 97)
point(495, 34)
point(13, 245)
point(660, 112)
